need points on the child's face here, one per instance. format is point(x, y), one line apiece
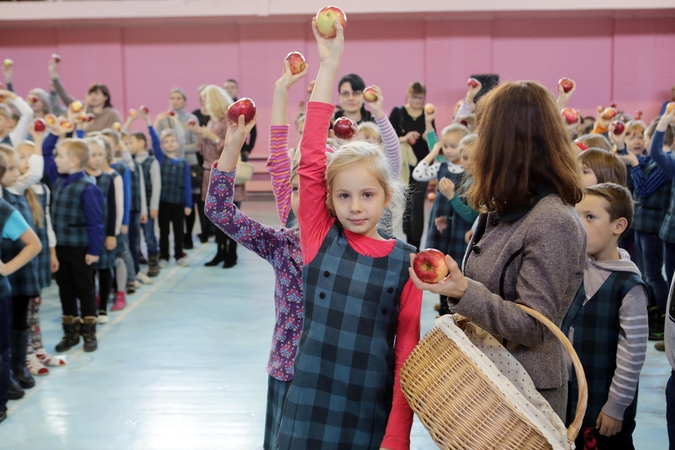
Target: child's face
point(3, 124)
point(358, 199)
point(295, 194)
point(136, 145)
point(588, 177)
point(635, 142)
point(600, 230)
point(126, 139)
point(96, 157)
point(24, 153)
point(65, 163)
point(467, 159)
point(451, 146)
point(12, 173)
point(169, 145)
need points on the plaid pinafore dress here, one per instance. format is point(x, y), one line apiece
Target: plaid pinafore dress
point(342, 391)
point(441, 207)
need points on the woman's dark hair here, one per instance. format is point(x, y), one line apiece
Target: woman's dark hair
point(417, 88)
point(355, 81)
point(103, 89)
point(523, 149)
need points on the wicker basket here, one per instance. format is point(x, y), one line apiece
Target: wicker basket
point(462, 409)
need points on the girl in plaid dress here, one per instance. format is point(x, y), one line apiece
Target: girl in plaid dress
point(345, 391)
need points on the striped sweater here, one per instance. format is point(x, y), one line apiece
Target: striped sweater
point(632, 347)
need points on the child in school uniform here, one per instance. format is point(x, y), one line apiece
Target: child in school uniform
point(13, 227)
point(607, 321)
point(356, 287)
point(176, 196)
point(77, 219)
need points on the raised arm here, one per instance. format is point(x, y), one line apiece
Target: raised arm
point(392, 146)
point(56, 81)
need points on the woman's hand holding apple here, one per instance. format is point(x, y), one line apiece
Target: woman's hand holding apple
point(454, 285)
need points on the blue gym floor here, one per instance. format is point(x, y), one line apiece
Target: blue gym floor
point(183, 367)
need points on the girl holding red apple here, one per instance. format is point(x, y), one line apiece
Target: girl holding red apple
point(529, 245)
point(358, 296)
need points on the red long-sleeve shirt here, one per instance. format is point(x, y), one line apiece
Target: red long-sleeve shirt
point(315, 221)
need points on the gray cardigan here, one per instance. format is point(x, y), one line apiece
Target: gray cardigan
point(538, 260)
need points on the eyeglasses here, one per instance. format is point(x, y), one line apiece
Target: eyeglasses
point(354, 94)
point(417, 97)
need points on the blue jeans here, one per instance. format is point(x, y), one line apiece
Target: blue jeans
point(150, 237)
point(670, 409)
point(652, 249)
point(122, 251)
point(5, 356)
point(135, 239)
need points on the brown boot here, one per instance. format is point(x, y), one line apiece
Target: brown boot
point(71, 333)
point(88, 330)
point(660, 346)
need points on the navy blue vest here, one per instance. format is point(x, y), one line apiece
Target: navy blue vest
point(342, 390)
point(651, 211)
point(68, 218)
point(44, 260)
point(173, 181)
point(441, 207)
point(147, 179)
point(6, 210)
point(107, 258)
point(25, 280)
point(596, 339)
point(136, 188)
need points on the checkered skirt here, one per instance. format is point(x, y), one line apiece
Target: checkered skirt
point(441, 208)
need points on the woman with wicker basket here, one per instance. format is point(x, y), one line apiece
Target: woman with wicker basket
point(529, 246)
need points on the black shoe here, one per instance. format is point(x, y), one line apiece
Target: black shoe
point(188, 245)
point(142, 260)
point(14, 391)
point(71, 334)
point(220, 257)
point(88, 331)
point(203, 238)
point(131, 289)
point(3, 414)
point(19, 369)
point(229, 263)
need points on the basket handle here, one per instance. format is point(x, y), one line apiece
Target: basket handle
point(575, 426)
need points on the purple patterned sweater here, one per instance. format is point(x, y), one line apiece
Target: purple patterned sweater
point(279, 247)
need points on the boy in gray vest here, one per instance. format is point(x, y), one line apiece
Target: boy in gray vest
point(77, 219)
point(607, 321)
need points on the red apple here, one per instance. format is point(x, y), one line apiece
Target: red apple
point(192, 122)
point(50, 119)
point(76, 106)
point(8, 62)
point(66, 125)
point(369, 94)
point(429, 108)
point(608, 113)
point(619, 127)
point(245, 107)
point(429, 266)
point(81, 117)
point(39, 125)
point(412, 141)
point(171, 112)
point(581, 145)
point(297, 62)
point(431, 197)
point(144, 109)
point(472, 83)
point(117, 126)
point(669, 107)
point(638, 115)
point(570, 116)
point(612, 105)
point(133, 112)
point(344, 128)
point(90, 117)
point(566, 84)
point(56, 58)
point(325, 20)
point(32, 98)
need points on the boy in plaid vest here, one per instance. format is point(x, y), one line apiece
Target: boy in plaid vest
point(176, 196)
point(607, 321)
point(77, 219)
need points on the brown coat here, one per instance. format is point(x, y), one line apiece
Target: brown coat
point(537, 261)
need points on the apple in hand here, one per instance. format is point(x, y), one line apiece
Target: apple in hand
point(133, 112)
point(56, 57)
point(570, 116)
point(50, 119)
point(66, 125)
point(116, 126)
point(431, 197)
point(297, 62)
point(638, 115)
point(76, 106)
point(90, 117)
point(608, 113)
point(171, 113)
point(32, 98)
point(369, 94)
point(8, 63)
point(566, 84)
point(192, 122)
point(581, 145)
point(325, 20)
point(472, 83)
point(429, 266)
point(144, 109)
point(612, 105)
point(39, 125)
point(619, 127)
point(429, 108)
point(344, 128)
point(669, 107)
point(243, 107)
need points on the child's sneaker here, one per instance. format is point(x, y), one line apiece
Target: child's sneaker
point(102, 317)
point(142, 260)
point(143, 278)
point(137, 284)
point(35, 366)
point(163, 263)
point(183, 262)
point(131, 288)
point(120, 302)
point(49, 360)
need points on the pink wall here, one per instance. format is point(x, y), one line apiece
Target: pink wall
point(623, 60)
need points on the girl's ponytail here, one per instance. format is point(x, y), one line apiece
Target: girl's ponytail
point(35, 207)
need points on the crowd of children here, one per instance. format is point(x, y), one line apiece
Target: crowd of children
point(77, 197)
